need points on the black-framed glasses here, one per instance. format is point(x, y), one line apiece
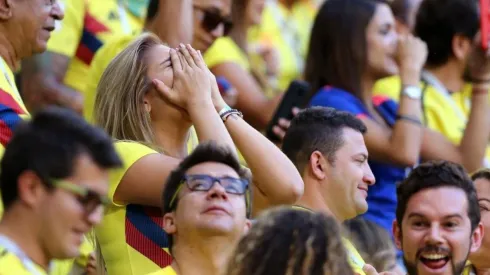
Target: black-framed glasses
point(212, 19)
point(89, 199)
point(203, 183)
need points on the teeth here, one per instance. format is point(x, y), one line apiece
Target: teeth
point(434, 256)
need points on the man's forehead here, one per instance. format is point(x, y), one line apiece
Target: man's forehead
point(438, 202)
point(214, 169)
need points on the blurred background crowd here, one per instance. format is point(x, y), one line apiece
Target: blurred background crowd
point(245, 137)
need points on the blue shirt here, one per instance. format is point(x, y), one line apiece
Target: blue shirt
point(381, 196)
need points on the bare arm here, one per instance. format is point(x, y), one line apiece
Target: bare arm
point(256, 107)
point(177, 17)
point(42, 82)
point(276, 180)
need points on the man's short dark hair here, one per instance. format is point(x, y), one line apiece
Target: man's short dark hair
point(437, 174)
point(318, 129)
point(204, 152)
point(483, 173)
point(49, 146)
point(438, 21)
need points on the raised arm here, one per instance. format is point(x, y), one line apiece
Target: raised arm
point(174, 13)
point(256, 107)
point(401, 144)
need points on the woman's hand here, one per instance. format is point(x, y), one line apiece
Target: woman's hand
point(411, 56)
point(192, 85)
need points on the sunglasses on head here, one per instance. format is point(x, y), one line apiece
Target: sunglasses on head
point(89, 199)
point(212, 19)
point(204, 183)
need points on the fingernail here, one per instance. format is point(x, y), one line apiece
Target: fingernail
point(182, 45)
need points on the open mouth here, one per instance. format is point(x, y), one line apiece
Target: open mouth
point(434, 260)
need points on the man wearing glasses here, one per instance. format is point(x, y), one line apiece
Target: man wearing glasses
point(206, 202)
point(54, 182)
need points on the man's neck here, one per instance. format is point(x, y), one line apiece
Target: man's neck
point(312, 200)
point(18, 227)
point(172, 138)
point(204, 256)
point(450, 75)
point(8, 53)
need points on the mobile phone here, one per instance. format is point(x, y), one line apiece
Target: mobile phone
point(295, 96)
point(484, 23)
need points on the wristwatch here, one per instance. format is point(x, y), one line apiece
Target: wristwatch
point(413, 92)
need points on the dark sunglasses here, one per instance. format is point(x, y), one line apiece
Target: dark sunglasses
point(212, 19)
point(89, 199)
point(204, 183)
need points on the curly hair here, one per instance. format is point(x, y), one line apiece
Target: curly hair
point(286, 241)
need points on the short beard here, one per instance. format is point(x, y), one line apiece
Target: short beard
point(458, 268)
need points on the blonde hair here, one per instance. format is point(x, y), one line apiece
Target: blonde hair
point(119, 107)
point(285, 241)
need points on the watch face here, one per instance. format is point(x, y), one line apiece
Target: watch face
point(413, 92)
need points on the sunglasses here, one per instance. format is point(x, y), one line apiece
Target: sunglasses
point(212, 19)
point(89, 199)
point(203, 183)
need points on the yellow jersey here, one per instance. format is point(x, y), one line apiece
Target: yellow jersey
point(87, 25)
point(443, 112)
point(287, 31)
point(12, 263)
point(166, 271)
point(354, 258)
point(101, 60)
point(224, 50)
point(131, 237)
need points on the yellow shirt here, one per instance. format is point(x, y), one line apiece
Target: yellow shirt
point(288, 31)
point(166, 271)
point(11, 264)
point(131, 237)
point(87, 25)
point(13, 112)
point(444, 113)
point(225, 50)
point(355, 259)
point(101, 60)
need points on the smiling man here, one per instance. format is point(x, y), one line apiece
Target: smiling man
point(327, 147)
point(54, 182)
point(206, 205)
point(437, 219)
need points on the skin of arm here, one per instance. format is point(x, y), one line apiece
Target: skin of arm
point(42, 82)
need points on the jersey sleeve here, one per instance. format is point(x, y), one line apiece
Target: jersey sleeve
point(390, 87)
point(130, 153)
point(340, 102)
point(11, 115)
point(225, 50)
point(68, 32)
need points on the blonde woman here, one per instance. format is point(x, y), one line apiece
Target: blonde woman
point(148, 99)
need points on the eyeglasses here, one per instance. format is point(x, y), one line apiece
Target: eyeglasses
point(89, 199)
point(204, 183)
point(212, 19)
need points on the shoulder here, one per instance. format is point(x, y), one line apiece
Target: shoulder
point(224, 49)
point(338, 99)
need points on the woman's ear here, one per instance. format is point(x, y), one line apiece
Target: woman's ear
point(146, 101)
